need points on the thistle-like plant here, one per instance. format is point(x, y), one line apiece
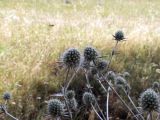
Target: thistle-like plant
point(88, 99)
point(150, 101)
point(7, 96)
point(70, 94)
point(90, 54)
point(55, 108)
point(71, 58)
point(119, 35)
point(102, 65)
point(156, 86)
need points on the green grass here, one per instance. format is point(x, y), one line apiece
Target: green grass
point(29, 47)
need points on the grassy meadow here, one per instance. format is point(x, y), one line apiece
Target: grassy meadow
point(34, 34)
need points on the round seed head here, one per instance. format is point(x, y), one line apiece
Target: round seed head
point(149, 100)
point(71, 58)
point(6, 96)
point(88, 99)
point(156, 85)
point(70, 94)
point(55, 107)
point(120, 81)
point(111, 75)
point(126, 75)
point(119, 35)
point(72, 103)
point(90, 54)
point(102, 65)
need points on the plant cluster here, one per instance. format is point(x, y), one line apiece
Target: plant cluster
point(91, 63)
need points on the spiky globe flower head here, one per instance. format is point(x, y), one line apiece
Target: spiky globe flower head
point(71, 58)
point(156, 85)
point(88, 99)
point(90, 54)
point(6, 96)
point(126, 75)
point(111, 75)
point(70, 94)
point(149, 100)
point(119, 80)
point(102, 65)
point(119, 35)
point(55, 107)
point(72, 103)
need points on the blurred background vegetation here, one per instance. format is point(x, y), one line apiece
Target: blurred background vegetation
point(34, 34)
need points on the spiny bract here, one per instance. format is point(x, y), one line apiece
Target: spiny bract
point(149, 100)
point(6, 96)
point(88, 99)
point(71, 58)
point(90, 54)
point(70, 94)
point(119, 35)
point(55, 107)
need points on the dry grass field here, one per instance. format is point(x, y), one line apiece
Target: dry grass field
point(34, 33)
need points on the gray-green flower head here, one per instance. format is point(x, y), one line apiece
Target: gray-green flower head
point(55, 107)
point(88, 99)
point(156, 85)
point(102, 65)
point(70, 94)
point(120, 81)
point(126, 75)
point(6, 96)
point(111, 75)
point(90, 54)
point(119, 35)
point(71, 58)
point(149, 100)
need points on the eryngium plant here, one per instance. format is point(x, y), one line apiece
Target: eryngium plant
point(6, 96)
point(70, 94)
point(155, 85)
point(102, 65)
point(90, 54)
point(119, 35)
point(111, 75)
point(149, 101)
point(88, 98)
point(71, 58)
point(120, 81)
point(55, 108)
